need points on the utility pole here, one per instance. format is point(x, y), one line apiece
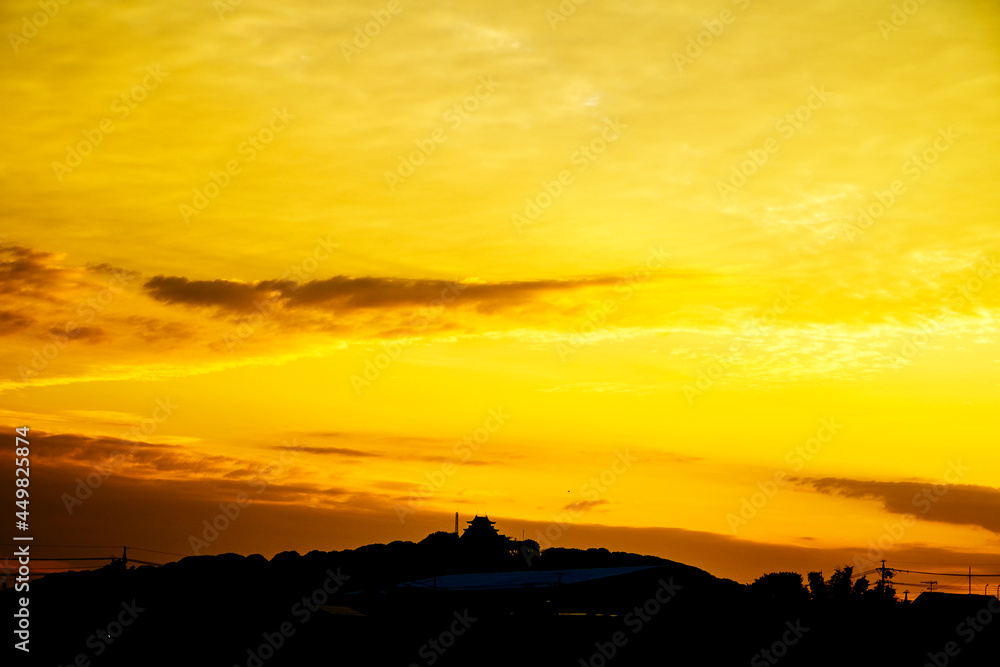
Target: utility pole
point(930, 585)
point(882, 582)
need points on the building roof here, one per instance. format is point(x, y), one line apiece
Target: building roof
point(514, 580)
point(959, 602)
point(482, 531)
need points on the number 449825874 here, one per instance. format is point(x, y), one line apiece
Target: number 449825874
point(22, 472)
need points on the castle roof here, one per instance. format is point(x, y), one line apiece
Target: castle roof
point(481, 529)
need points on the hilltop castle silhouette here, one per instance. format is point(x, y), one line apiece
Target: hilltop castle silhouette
point(482, 533)
point(481, 540)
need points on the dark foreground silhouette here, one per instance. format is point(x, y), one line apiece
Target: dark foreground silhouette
point(439, 602)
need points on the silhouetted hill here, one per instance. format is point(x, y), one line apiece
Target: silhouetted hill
point(564, 607)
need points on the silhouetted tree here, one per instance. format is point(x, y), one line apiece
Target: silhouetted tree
point(838, 587)
point(781, 588)
point(817, 586)
point(441, 540)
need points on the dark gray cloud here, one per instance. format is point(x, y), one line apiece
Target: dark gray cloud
point(89, 334)
point(962, 504)
point(584, 505)
point(333, 451)
point(140, 459)
point(347, 293)
point(12, 322)
point(28, 272)
point(227, 294)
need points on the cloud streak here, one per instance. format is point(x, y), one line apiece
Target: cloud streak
point(960, 504)
point(345, 293)
point(27, 272)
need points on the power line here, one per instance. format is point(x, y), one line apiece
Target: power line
point(944, 574)
point(863, 574)
point(96, 546)
point(75, 546)
point(65, 559)
point(927, 562)
point(154, 551)
point(954, 579)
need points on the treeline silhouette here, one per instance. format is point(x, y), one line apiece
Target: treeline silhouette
point(842, 588)
point(250, 611)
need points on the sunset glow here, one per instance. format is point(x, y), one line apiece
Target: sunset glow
point(714, 282)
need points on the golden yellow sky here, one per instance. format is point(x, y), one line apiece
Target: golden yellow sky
point(693, 237)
